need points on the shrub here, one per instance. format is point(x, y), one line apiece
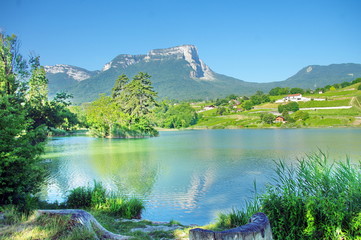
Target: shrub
point(80, 197)
point(359, 87)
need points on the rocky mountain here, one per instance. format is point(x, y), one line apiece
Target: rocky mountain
point(63, 76)
point(179, 73)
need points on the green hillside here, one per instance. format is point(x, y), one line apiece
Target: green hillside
point(315, 76)
point(341, 108)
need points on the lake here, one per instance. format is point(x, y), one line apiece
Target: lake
point(188, 176)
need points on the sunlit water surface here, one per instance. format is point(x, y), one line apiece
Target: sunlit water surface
point(189, 176)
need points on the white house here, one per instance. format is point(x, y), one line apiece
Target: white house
point(293, 98)
point(210, 107)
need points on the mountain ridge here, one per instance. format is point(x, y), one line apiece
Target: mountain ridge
point(179, 73)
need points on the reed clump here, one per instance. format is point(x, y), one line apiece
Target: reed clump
point(313, 199)
point(97, 198)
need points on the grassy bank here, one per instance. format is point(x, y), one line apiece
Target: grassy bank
point(16, 226)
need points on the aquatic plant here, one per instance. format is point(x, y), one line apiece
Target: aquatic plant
point(314, 199)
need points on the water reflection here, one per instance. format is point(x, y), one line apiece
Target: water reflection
point(188, 175)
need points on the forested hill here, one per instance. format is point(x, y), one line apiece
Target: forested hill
point(179, 73)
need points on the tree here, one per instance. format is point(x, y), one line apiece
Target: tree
point(21, 143)
point(275, 91)
point(12, 64)
point(256, 99)
point(292, 106)
point(138, 97)
point(21, 171)
point(287, 116)
point(104, 116)
point(359, 87)
point(247, 104)
point(119, 85)
point(125, 113)
point(180, 116)
point(221, 110)
point(267, 118)
point(297, 90)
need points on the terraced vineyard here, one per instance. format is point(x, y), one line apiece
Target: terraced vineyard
point(340, 108)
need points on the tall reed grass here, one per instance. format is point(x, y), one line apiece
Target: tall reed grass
point(97, 198)
point(314, 199)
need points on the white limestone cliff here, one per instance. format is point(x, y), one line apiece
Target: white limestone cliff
point(73, 72)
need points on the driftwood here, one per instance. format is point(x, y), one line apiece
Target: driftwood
point(85, 219)
point(258, 228)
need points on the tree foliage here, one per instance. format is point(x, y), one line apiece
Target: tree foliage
point(26, 117)
point(21, 142)
point(125, 112)
point(137, 97)
point(292, 106)
point(267, 117)
point(104, 116)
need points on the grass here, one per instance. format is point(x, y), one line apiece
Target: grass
point(125, 228)
point(335, 112)
point(42, 227)
point(314, 199)
point(333, 103)
point(18, 226)
point(109, 203)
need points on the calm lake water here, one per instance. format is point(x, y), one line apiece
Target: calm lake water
point(189, 176)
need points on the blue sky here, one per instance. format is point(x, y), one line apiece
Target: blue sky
point(256, 41)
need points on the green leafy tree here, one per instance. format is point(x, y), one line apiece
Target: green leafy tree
point(104, 116)
point(119, 85)
point(345, 84)
point(359, 87)
point(292, 106)
point(221, 111)
point(21, 143)
point(275, 91)
point(21, 171)
point(357, 80)
point(175, 116)
point(267, 118)
point(247, 105)
point(12, 64)
point(126, 112)
point(297, 90)
point(221, 102)
point(138, 97)
point(256, 99)
point(287, 116)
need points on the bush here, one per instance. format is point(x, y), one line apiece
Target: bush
point(80, 197)
point(359, 87)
